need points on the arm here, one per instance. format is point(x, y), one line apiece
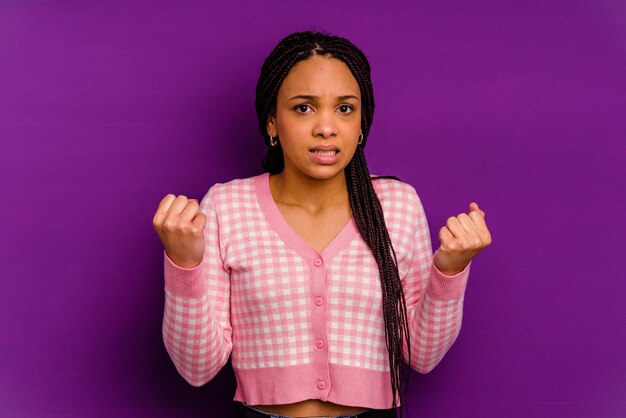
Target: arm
point(434, 301)
point(196, 321)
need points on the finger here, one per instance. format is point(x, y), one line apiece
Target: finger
point(190, 211)
point(478, 220)
point(178, 205)
point(474, 208)
point(200, 221)
point(165, 203)
point(483, 231)
point(455, 227)
point(161, 213)
point(467, 223)
point(445, 238)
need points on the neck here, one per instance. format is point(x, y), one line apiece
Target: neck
point(311, 194)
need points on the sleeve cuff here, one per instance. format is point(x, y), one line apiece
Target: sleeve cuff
point(444, 287)
point(183, 281)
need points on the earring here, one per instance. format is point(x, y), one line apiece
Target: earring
point(273, 141)
point(361, 138)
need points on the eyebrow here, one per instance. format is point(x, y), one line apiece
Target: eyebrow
point(339, 99)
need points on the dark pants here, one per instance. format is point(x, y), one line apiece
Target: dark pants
point(245, 411)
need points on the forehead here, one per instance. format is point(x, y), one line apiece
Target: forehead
point(320, 76)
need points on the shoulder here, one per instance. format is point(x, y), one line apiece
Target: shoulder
point(232, 193)
point(404, 215)
point(395, 194)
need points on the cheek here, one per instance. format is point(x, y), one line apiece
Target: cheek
point(287, 128)
point(355, 129)
point(354, 125)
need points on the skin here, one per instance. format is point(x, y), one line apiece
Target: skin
point(318, 107)
point(313, 196)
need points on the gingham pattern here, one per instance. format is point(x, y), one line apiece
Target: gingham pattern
point(251, 296)
point(434, 319)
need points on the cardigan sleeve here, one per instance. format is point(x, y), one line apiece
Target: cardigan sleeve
point(434, 301)
point(196, 322)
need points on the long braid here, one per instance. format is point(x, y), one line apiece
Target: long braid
point(366, 208)
point(371, 224)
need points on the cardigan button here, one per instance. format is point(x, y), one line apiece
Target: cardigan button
point(319, 301)
point(318, 262)
point(321, 385)
point(319, 343)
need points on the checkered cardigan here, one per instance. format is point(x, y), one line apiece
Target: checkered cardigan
point(299, 324)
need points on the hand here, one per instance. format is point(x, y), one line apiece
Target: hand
point(180, 225)
point(463, 237)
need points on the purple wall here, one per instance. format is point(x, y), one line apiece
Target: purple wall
point(107, 106)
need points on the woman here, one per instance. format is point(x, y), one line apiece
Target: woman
point(314, 276)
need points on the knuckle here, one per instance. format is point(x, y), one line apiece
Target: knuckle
point(167, 197)
point(169, 225)
point(185, 227)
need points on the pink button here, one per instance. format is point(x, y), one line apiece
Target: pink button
point(319, 344)
point(317, 262)
point(321, 385)
point(319, 301)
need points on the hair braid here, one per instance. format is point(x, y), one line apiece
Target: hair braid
point(366, 208)
point(370, 221)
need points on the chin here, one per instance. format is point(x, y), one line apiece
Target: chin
point(319, 172)
point(326, 173)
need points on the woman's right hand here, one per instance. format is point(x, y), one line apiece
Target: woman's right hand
point(180, 225)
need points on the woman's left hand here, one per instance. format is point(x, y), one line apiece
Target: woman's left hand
point(463, 237)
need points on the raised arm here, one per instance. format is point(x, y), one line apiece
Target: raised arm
point(435, 300)
point(196, 322)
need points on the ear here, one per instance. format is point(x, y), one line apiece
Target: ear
point(271, 126)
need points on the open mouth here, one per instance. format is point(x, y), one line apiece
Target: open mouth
point(325, 153)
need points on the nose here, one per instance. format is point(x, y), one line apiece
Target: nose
point(325, 125)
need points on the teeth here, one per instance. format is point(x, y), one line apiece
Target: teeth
point(325, 152)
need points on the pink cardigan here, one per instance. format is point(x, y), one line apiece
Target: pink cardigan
point(300, 324)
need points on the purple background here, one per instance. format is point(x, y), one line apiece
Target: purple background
point(105, 107)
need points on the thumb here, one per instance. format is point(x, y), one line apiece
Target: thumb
point(474, 207)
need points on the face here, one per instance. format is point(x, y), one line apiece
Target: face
point(318, 118)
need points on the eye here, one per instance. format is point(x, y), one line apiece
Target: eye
point(345, 109)
point(302, 108)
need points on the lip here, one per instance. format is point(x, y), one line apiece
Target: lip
point(325, 155)
point(324, 148)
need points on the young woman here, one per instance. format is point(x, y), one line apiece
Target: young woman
point(318, 279)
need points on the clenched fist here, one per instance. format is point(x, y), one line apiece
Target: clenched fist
point(180, 225)
point(463, 237)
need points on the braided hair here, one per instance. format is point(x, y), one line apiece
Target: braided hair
point(366, 208)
